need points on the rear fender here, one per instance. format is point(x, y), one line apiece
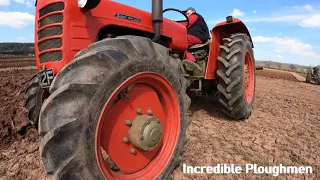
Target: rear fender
point(220, 31)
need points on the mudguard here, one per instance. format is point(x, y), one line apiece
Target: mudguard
point(220, 31)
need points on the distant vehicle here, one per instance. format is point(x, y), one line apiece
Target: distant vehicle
point(314, 75)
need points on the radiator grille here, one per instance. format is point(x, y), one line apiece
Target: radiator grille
point(48, 32)
point(51, 8)
point(52, 19)
point(50, 44)
point(51, 56)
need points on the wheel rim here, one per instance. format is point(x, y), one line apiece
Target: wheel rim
point(249, 77)
point(150, 92)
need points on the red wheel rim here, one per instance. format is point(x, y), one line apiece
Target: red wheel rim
point(151, 91)
point(249, 77)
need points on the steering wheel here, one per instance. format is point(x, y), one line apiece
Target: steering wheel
point(177, 10)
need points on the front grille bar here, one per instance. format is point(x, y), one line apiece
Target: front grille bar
point(51, 8)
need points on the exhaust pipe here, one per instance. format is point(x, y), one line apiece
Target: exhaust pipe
point(157, 18)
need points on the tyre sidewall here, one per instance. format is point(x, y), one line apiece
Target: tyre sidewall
point(101, 97)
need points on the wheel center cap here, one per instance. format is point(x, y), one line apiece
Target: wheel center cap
point(145, 132)
point(155, 135)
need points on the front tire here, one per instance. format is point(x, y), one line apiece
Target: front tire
point(317, 80)
point(77, 127)
point(237, 81)
point(34, 96)
point(308, 78)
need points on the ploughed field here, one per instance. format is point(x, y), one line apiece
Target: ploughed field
point(284, 129)
point(17, 62)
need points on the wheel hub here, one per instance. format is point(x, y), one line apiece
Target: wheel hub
point(145, 132)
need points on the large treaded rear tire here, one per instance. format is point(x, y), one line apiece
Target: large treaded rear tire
point(33, 99)
point(231, 84)
point(69, 116)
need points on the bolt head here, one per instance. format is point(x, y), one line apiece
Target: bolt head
point(149, 112)
point(128, 123)
point(139, 111)
point(133, 151)
point(158, 121)
point(141, 137)
point(125, 139)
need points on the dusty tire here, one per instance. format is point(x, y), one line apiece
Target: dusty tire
point(308, 78)
point(70, 117)
point(34, 96)
point(235, 98)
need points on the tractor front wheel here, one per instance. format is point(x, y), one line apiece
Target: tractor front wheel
point(34, 96)
point(237, 81)
point(317, 80)
point(117, 111)
point(308, 78)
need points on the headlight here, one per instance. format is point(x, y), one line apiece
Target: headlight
point(88, 4)
point(82, 3)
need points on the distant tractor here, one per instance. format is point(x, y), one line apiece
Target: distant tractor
point(314, 75)
point(111, 95)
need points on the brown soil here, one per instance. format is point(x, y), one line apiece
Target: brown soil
point(13, 118)
point(299, 77)
point(5, 63)
point(276, 74)
point(284, 128)
point(19, 155)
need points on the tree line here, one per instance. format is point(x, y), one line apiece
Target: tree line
point(16, 48)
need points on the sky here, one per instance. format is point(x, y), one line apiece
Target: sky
point(282, 30)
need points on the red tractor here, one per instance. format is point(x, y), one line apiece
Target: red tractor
point(110, 98)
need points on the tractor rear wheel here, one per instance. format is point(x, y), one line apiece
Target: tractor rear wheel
point(308, 78)
point(34, 96)
point(122, 100)
point(237, 81)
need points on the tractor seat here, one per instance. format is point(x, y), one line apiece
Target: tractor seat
point(200, 45)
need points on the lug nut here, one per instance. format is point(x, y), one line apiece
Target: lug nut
point(128, 123)
point(133, 151)
point(149, 112)
point(126, 140)
point(139, 111)
point(158, 121)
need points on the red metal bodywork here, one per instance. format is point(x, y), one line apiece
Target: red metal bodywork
point(220, 31)
point(80, 29)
